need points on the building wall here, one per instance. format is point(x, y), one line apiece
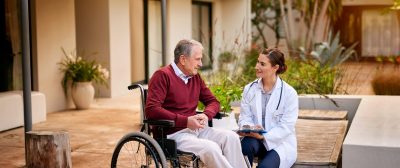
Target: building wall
point(365, 23)
point(366, 2)
point(137, 41)
point(120, 47)
point(179, 24)
point(235, 23)
point(154, 39)
point(231, 25)
point(106, 31)
point(53, 29)
point(114, 30)
point(92, 34)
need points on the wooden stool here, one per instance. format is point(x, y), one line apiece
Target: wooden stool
point(48, 149)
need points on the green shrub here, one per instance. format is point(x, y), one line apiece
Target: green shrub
point(224, 89)
point(249, 71)
point(226, 57)
point(310, 77)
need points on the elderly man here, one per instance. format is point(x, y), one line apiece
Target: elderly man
point(173, 94)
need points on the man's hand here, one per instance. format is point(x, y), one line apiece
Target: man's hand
point(193, 123)
point(203, 119)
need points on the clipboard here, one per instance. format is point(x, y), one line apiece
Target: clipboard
point(260, 131)
point(248, 129)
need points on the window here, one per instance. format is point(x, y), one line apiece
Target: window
point(10, 46)
point(380, 33)
point(202, 30)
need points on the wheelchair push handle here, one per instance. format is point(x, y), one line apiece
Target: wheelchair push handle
point(142, 92)
point(134, 86)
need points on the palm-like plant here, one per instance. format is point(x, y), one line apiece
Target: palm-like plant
point(330, 53)
point(314, 22)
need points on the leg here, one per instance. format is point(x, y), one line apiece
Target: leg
point(229, 142)
point(209, 152)
point(270, 160)
point(251, 147)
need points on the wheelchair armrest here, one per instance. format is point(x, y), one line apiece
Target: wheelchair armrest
point(160, 123)
point(217, 116)
point(210, 122)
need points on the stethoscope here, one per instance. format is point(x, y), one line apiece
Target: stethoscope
point(280, 95)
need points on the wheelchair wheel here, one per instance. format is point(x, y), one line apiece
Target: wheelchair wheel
point(138, 150)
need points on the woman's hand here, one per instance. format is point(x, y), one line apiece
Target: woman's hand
point(253, 134)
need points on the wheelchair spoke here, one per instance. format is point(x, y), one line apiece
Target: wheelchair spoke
point(136, 153)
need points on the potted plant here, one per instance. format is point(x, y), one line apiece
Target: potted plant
point(80, 73)
point(226, 91)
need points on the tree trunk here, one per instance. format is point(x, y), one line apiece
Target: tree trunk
point(310, 33)
point(318, 36)
point(285, 21)
point(48, 149)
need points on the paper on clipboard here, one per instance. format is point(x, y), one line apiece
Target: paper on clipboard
point(248, 129)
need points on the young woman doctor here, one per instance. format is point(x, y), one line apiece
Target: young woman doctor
point(272, 104)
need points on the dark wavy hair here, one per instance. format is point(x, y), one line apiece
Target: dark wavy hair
point(276, 57)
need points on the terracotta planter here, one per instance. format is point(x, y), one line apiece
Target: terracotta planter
point(82, 94)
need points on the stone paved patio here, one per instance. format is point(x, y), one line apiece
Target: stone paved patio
point(93, 133)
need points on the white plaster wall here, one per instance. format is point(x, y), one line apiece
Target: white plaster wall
point(154, 37)
point(179, 24)
point(137, 41)
point(217, 31)
point(232, 26)
point(236, 24)
point(92, 34)
point(54, 28)
point(120, 51)
point(103, 26)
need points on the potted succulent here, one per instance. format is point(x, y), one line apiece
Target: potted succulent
point(80, 73)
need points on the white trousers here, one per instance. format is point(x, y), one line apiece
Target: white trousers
point(217, 148)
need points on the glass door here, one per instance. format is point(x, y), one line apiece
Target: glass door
point(10, 46)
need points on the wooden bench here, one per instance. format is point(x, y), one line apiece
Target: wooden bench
point(322, 114)
point(320, 135)
point(319, 142)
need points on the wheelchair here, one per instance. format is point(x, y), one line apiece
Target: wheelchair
point(139, 149)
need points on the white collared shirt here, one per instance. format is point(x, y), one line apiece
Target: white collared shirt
point(180, 74)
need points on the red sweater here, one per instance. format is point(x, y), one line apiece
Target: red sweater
point(169, 98)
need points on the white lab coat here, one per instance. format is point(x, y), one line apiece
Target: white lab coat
point(280, 124)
